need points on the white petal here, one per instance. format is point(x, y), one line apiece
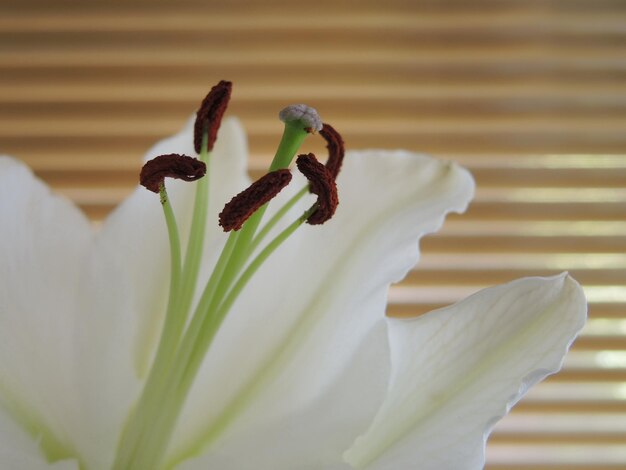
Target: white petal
point(458, 370)
point(136, 231)
point(45, 240)
point(104, 334)
point(19, 451)
point(66, 323)
point(315, 437)
point(298, 325)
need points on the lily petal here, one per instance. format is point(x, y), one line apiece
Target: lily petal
point(297, 326)
point(458, 370)
point(18, 451)
point(45, 241)
point(312, 438)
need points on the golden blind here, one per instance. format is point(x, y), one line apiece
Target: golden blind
point(528, 94)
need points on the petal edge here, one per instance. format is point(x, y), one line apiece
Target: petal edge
point(458, 370)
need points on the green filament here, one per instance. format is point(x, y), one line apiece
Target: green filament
point(193, 255)
point(277, 217)
point(135, 425)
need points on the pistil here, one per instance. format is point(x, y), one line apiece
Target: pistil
point(336, 153)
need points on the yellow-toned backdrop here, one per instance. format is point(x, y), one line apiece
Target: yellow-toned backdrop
point(528, 94)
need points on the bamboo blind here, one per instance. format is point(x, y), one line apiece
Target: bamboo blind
point(528, 94)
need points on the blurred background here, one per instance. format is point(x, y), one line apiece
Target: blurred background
point(528, 94)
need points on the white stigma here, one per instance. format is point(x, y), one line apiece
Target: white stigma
point(303, 113)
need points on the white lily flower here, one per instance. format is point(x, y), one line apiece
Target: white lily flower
point(306, 371)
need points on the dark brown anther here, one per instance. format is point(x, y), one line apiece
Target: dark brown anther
point(173, 165)
point(336, 149)
point(247, 202)
point(209, 116)
point(322, 183)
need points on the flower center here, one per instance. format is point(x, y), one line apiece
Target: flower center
point(188, 332)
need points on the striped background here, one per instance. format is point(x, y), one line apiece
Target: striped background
point(528, 94)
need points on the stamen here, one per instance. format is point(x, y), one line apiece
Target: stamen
point(322, 183)
point(307, 115)
point(246, 203)
point(336, 149)
point(185, 340)
point(172, 165)
point(209, 116)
